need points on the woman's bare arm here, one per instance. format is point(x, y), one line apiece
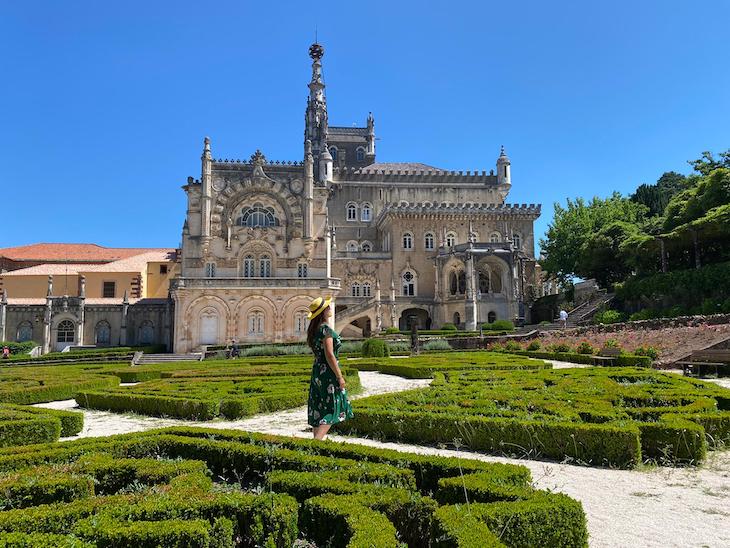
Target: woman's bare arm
point(329, 353)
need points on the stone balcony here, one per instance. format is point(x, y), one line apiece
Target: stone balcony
point(255, 283)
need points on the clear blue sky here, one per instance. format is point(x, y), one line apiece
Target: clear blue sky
point(104, 105)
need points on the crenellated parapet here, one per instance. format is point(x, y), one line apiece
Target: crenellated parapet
point(425, 176)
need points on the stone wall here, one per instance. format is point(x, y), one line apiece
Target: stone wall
point(658, 323)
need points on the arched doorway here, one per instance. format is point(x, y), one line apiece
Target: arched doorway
point(209, 326)
point(457, 319)
point(492, 317)
point(423, 320)
point(65, 334)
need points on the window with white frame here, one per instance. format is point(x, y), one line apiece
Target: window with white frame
point(257, 215)
point(351, 212)
point(360, 154)
point(409, 284)
point(65, 332)
point(517, 241)
point(367, 212)
point(407, 240)
point(428, 240)
point(265, 266)
point(355, 290)
point(302, 270)
point(495, 237)
point(366, 289)
point(301, 323)
point(450, 239)
point(366, 246)
point(256, 322)
point(352, 246)
point(249, 270)
point(210, 270)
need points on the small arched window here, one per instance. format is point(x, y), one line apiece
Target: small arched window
point(407, 240)
point(25, 332)
point(351, 212)
point(450, 239)
point(301, 323)
point(409, 284)
point(360, 154)
point(517, 241)
point(366, 289)
point(66, 332)
point(367, 247)
point(367, 212)
point(257, 215)
point(333, 153)
point(355, 290)
point(256, 323)
point(265, 266)
point(491, 317)
point(210, 270)
point(495, 237)
point(146, 333)
point(302, 270)
point(103, 333)
point(352, 246)
point(428, 240)
point(453, 283)
point(248, 266)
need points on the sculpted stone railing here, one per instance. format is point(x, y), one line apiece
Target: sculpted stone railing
point(244, 283)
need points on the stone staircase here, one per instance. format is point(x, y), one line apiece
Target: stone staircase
point(583, 313)
point(352, 312)
point(145, 359)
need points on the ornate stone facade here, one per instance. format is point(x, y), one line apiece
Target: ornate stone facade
point(391, 241)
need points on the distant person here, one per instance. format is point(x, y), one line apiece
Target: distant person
point(328, 403)
point(234, 349)
point(564, 318)
point(6, 352)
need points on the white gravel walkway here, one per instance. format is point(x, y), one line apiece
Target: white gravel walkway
point(651, 507)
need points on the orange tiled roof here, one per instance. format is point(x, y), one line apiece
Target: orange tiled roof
point(73, 253)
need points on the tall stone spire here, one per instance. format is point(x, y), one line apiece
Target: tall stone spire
point(316, 114)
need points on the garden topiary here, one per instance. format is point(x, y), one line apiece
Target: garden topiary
point(534, 346)
point(448, 326)
point(375, 348)
point(585, 348)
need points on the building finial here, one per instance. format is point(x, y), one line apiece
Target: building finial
point(501, 151)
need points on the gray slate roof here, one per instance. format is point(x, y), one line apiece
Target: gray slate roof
point(395, 166)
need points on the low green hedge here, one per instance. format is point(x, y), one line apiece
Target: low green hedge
point(156, 406)
point(455, 526)
point(19, 428)
point(42, 540)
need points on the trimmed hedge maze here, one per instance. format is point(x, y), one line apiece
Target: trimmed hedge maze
point(615, 417)
point(19, 424)
point(211, 389)
point(200, 488)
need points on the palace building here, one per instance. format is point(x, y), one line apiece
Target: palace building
point(392, 242)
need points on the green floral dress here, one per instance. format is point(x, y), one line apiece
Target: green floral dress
point(327, 403)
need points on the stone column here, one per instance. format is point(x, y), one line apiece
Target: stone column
point(123, 329)
point(470, 307)
point(378, 308)
point(328, 249)
point(82, 312)
point(3, 316)
point(393, 319)
point(47, 317)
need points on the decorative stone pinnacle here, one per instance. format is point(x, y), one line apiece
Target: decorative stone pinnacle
point(316, 51)
point(258, 158)
point(501, 152)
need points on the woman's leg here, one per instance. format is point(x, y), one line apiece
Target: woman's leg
point(321, 431)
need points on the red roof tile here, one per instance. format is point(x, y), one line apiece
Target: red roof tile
point(72, 253)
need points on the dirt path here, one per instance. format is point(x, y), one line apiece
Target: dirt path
point(652, 507)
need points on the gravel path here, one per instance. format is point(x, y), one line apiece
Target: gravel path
point(652, 507)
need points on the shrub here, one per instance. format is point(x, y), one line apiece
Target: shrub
point(18, 347)
point(533, 346)
point(585, 348)
point(400, 347)
point(650, 351)
point(611, 343)
point(499, 325)
point(448, 326)
point(437, 344)
point(375, 348)
point(392, 331)
point(608, 317)
point(511, 346)
point(559, 347)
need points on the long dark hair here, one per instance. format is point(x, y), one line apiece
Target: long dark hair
point(314, 325)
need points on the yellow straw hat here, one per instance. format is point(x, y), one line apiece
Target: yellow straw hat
point(317, 306)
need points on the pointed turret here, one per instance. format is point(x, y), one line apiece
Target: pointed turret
point(504, 177)
point(316, 113)
point(207, 181)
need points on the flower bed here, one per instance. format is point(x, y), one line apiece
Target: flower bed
point(598, 416)
point(155, 489)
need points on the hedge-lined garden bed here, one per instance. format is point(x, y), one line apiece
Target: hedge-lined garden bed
point(597, 416)
point(23, 425)
point(211, 488)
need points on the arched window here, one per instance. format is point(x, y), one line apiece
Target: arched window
point(351, 212)
point(25, 332)
point(409, 284)
point(248, 266)
point(360, 154)
point(256, 323)
point(257, 215)
point(146, 333)
point(495, 281)
point(450, 239)
point(103, 333)
point(484, 282)
point(210, 270)
point(462, 282)
point(355, 290)
point(66, 332)
point(352, 246)
point(407, 240)
point(428, 240)
point(301, 323)
point(491, 317)
point(517, 241)
point(495, 237)
point(457, 319)
point(208, 326)
point(265, 266)
point(367, 212)
point(453, 283)
point(302, 270)
point(366, 289)
point(333, 153)
point(366, 246)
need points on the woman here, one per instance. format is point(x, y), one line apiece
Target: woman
point(328, 403)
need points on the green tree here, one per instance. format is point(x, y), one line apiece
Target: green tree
point(656, 197)
point(706, 164)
